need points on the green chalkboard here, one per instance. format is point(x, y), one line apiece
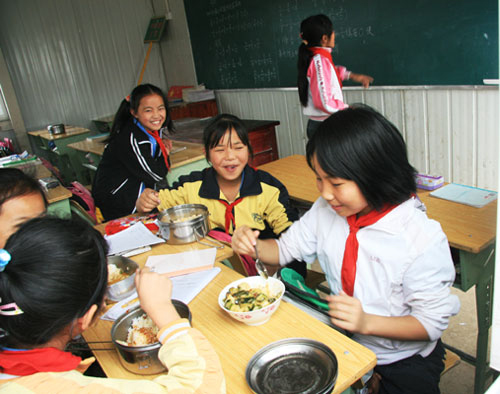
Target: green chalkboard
point(253, 43)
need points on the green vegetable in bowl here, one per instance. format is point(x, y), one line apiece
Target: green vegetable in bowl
point(246, 299)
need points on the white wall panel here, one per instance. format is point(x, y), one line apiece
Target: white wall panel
point(464, 137)
point(487, 135)
point(450, 131)
point(439, 120)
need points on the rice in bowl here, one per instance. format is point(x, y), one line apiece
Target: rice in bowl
point(142, 332)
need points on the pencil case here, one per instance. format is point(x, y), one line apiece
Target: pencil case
point(429, 182)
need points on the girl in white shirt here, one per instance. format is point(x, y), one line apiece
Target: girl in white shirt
point(388, 265)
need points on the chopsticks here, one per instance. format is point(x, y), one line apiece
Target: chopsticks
point(84, 345)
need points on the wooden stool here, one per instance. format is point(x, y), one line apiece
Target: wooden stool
point(450, 360)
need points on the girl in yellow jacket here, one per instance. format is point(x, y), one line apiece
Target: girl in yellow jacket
point(234, 193)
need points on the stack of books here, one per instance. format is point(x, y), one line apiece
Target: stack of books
point(199, 93)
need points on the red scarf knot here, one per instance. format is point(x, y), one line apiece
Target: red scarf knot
point(156, 135)
point(229, 216)
point(348, 273)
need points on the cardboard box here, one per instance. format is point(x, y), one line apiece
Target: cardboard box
point(429, 182)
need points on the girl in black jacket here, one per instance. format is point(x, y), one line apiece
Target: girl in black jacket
point(136, 156)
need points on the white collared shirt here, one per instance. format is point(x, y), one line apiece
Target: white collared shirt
point(404, 268)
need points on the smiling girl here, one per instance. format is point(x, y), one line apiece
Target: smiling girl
point(234, 193)
point(387, 263)
point(136, 156)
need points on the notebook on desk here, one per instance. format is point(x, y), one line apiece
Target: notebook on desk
point(467, 195)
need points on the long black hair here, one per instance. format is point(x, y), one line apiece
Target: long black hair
point(57, 271)
point(361, 145)
point(15, 183)
point(218, 127)
point(312, 30)
point(132, 102)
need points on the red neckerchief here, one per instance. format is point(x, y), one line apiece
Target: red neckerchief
point(29, 362)
point(158, 139)
point(328, 55)
point(229, 213)
point(348, 273)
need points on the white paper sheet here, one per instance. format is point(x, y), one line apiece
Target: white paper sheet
point(182, 263)
point(184, 288)
point(136, 236)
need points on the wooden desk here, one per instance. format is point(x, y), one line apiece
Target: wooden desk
point(236, 343)
point(185, 156)
point(471, 233)
point(55, 149)
point(70, 131)
point(57, 197)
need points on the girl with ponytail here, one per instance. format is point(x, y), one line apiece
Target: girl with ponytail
point(136, 156)
point(319, 80)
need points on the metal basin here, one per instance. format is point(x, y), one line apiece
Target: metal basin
point(142, 360)
point(122, 289)
point(184, 223)
point(293, 366)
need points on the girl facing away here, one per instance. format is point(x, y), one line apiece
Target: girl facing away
point(234, 193)
point(53, 280)
point(388, 265)
point(136, 156)
point(319, 80)
point(21, 198)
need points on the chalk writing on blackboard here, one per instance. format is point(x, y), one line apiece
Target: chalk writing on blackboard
point(355, 32)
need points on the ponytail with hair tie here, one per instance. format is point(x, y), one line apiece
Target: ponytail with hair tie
point(10, 309)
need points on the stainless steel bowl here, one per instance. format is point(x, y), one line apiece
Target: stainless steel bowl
point(122, 289)
point(55, 129)
point(142, 360)
point(184, 223)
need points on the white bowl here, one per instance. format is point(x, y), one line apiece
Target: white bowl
point(259, 316)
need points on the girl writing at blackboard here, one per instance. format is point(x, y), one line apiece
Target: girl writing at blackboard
point(388, 265)
point(319, 80)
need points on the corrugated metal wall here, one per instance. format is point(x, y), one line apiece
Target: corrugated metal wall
point(451, 131)
point(73, 61)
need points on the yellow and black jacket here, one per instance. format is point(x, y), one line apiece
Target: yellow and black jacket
point(262, 204)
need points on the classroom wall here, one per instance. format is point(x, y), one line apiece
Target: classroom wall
point(72, 61)
point(450, 131)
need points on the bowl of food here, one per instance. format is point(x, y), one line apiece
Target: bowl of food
point(184, 223)
point(121, 277)
point(134, 336)
point(252, 300)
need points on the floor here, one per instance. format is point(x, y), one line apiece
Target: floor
point(462, 334)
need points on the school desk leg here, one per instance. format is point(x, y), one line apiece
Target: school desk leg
point(484, 305)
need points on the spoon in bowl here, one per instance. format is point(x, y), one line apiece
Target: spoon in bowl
point(261, 268)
